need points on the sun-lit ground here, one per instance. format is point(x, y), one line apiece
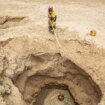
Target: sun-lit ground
point(75, 16)
point(28, 18)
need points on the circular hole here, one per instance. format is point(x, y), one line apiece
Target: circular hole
point(55, 95)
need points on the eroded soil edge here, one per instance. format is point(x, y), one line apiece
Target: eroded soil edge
point(53, 70)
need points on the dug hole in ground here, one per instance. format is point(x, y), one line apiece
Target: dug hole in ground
point(40, 68)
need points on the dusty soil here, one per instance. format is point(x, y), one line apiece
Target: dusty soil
point(35, 65)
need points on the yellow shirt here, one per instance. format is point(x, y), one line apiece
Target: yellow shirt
point(53, 24)
point(53, 15)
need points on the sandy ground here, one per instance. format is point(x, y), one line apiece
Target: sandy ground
point(75, 20)
point(75, 16)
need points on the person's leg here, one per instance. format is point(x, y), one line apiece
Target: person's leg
point(50, 28)
point(54, 25)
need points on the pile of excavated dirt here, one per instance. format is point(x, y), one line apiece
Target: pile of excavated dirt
point(7, 22)
point(39, 68)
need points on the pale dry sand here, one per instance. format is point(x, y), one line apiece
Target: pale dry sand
point(24, 31)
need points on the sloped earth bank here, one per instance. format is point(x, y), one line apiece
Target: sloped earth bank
point(61, 72)
point(36, 69)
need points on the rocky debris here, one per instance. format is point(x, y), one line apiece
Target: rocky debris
point(5, 89)
point(3, 61)
point(2, 102)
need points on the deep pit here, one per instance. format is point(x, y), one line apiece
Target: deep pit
point(53, 74)
point(54, 95)
point(30, 55)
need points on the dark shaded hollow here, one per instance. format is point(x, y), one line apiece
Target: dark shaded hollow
point(52, 86)
point(53, 83)
point(75, 80)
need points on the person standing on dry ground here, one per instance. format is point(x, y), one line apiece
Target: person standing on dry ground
point(52, 19)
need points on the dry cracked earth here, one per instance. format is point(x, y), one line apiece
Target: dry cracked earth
point(39, 68)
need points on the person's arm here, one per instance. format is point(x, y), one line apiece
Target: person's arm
point(55, 18)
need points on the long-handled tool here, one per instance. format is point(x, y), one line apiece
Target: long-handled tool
point(56, 37)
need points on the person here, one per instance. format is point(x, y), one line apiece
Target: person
point(52, 19)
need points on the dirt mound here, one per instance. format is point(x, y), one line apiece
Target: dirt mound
point(7, 22)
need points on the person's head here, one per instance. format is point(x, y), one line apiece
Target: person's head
point(50, 10)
